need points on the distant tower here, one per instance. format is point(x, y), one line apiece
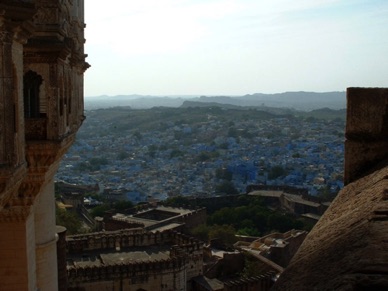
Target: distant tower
point(42, 63)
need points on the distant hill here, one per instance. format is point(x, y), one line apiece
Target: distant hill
point(294, 100)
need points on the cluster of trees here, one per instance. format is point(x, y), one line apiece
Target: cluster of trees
point(68, 219)
point(118, 206)
point(73, 222)
point(238, 215)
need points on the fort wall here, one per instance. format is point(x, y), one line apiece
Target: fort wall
point(366, 131)
point(170, 272)
point(185, 261)
point(257, 283)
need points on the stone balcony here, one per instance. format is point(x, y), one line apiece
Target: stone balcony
point(36, 128)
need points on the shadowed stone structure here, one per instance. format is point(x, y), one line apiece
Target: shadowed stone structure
point(42, 63)
point(348, 247)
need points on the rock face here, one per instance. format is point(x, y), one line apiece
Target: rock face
point(348, 247)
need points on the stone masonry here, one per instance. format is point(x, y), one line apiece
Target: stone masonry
point(42, 62)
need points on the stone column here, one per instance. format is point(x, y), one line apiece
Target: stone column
point(17, 242)
point(45, 237)
point(61, 258)
point(17, 249)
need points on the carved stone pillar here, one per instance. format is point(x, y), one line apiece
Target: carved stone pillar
point(14, 30)
point(17, 243)
point(17, 248)
point(45, 238)
point(43, 159)
point(61, 258)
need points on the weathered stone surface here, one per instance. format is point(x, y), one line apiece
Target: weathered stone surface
point(30, 150)
point(366, 131)
point(362, 156)
point(367, 113)
point(348, 248)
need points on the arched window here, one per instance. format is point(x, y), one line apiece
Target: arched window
point(31, 83)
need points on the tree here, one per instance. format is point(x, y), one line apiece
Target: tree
point(226, 187)
point(276, 172)
point(122, 156)
point(224, 174)
point(178, 201)
point(225, 233)
point(201, 232)
point(122, 205)
point(100, 210)
point(280, 222)
point(176, 153)
point(68, 219)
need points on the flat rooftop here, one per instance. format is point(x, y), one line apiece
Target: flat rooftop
point(266, 193)
point(134, 254)
point(152, 216)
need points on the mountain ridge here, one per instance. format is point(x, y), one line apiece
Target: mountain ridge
point(300, 100)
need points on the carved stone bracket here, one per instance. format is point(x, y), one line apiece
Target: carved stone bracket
point(16, 20)
point(15, 214)
point(28, 190)
point(43, 159)
point(10, 181)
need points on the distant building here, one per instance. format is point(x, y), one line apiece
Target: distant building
point(301, 204)
point(279, 248)
point(157, 218)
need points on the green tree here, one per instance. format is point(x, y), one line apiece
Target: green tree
point(122, 205)
point(100, 210)
point(276, 172)
point(280, 222)
point(225, 233)
point(201, 232)
point(122, 155)
point(178, 201)
point(226, 187)
point(224, 174)
point(176, 153)
point(248, 231)
point(68, 219)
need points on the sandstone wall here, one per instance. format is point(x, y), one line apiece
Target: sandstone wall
point(366, 131)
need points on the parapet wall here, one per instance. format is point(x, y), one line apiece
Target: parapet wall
point(366, 142)
point(257, 283)
point(124, 270)
point(113, 224)
point(284, 188)
point(184, 262)
point(129, 238)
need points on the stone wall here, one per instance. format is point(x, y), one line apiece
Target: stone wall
point(41, 107)
point(113, 224)
point(184, 263)
point(366, 131)
point(131, 276)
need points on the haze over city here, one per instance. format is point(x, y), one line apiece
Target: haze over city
point(230, 47)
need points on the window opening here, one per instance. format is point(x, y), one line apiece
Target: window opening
point(31, 87)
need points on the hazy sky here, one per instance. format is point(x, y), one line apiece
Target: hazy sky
point(234, 47)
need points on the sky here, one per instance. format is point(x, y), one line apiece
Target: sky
point(234, 47)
